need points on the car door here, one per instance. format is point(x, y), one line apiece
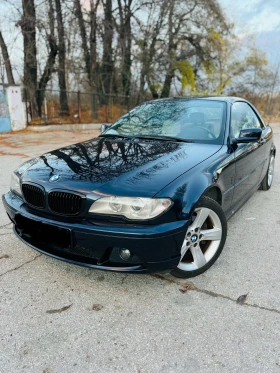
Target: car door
point(250, 157)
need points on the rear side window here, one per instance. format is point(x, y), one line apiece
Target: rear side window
point(243, 117)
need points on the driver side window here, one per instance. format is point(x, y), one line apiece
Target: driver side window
point(243, 117)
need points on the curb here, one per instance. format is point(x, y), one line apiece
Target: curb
point(65, 127)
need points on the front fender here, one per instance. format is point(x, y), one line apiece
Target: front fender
point(187, 190)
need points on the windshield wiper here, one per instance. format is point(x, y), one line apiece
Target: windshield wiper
point(149, 137)
point(117, 135)
point(166, 138)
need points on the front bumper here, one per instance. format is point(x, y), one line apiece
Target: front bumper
point(153, 247)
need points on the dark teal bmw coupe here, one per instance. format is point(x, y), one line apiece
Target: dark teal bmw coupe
point(152, 192)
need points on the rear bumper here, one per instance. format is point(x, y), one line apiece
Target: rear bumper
point(153, 248)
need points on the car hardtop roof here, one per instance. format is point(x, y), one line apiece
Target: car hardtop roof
point(230, 99)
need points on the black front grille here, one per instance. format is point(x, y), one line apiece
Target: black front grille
point(65, 203)
point(33, 195)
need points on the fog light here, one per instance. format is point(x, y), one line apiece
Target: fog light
point(125, 254)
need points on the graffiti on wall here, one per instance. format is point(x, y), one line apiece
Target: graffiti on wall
point(4, 110)
point(5, 122)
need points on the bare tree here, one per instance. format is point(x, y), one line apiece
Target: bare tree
point(49, 67)
point(148, 45)
point(89, 47)
point(93, 55)
point(274, 85)
point(64, 109)
point(28, 28)
point(125, 42)
point(2, 71)
point(171, 50)
point(83, 34)
point(107, 57)
point(7, 62)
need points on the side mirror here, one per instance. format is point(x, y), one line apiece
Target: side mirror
point(104, 127)
point(248, 135)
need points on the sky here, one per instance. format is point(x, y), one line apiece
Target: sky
point(256, 20)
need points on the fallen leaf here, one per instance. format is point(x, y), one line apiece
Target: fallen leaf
point(59, 310)
point(242, 299)
point(183, 290)
point(4, 256)
point(46, 370)
point(97, 307)
point(185, 287)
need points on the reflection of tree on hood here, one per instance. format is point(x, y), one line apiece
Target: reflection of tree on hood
point(102, 159)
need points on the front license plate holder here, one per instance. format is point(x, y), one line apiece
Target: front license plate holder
point(39, 231)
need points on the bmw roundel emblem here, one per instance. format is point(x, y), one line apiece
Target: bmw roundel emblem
point(194, 238)
point(54, 178)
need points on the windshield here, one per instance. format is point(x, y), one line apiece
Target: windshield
point(194, 120)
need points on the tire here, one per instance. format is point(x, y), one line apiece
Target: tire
point(268, 179)
point(208, 220)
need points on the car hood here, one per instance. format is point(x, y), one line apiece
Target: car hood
point(125, 167)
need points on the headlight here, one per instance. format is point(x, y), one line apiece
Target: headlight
point(130, 207)
point(15, 184)
point(25, 166)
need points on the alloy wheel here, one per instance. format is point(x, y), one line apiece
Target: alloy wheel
point(202, 240)
point(271, 171)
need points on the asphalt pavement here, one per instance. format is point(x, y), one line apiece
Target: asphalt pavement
point(60, 318)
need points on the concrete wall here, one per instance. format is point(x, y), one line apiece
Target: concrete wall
point(16, 108)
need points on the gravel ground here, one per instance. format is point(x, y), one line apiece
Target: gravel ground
point(60, 318)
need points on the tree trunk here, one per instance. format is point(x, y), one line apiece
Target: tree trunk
point(28, 28)
point(168, 80)
point(152, 89)
point(2, 73)
point(144, 71)
point(125, 44)
point(83, 34)
point(47, 72)
point(107, 61)
point(126, 78)
point(64, 109)
point(90, 53)
point(51, 18)
point(93, 56)
point(49, 67)
point(7, 61)
point(171, 51)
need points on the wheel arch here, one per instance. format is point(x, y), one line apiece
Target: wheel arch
point(203, 186)
point(213, 192)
